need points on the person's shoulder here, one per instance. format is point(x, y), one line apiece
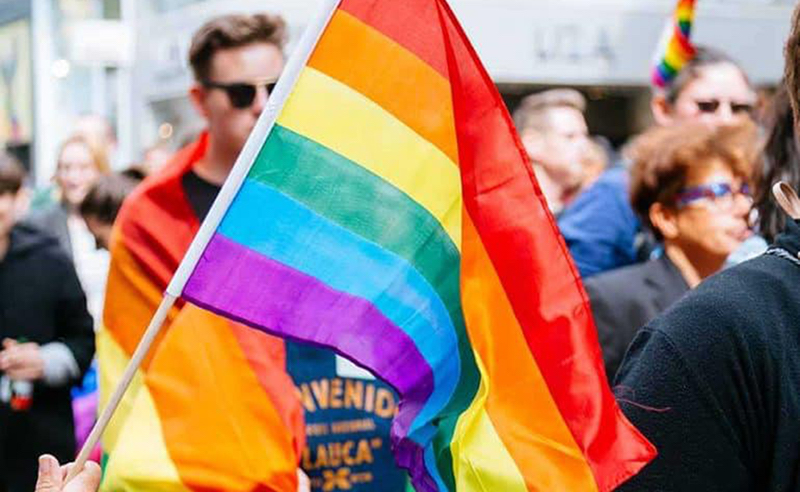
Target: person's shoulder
point(622, 274)
point(44, 217)
point(158, 192)
point(741, 308)
point(765, 278)
point(613, 282)
point(606, 196)
point(31, 241)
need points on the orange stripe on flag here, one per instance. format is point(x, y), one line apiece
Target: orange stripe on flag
point(233, 439)
point(412, 23)
point(266, 356)
point(131, 299)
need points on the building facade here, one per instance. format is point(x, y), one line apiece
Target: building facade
point(126, 59)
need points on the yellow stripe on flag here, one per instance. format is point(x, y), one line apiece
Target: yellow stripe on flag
point(113, 360)
point(345, 121)
point(391, 75)
point(476, 447)
point(140, 460)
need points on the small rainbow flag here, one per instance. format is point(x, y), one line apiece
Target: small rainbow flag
point(676, 47)
point(384, 207)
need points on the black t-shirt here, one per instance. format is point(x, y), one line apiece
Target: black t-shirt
point(714, 382)
point(201, 193)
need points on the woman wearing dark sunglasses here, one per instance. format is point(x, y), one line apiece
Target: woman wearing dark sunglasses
point(712, 88)
point(689, 184)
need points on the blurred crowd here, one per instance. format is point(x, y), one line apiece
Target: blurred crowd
point(645, 224)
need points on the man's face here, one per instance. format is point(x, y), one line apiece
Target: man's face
point(561, 148)
point(229, 125)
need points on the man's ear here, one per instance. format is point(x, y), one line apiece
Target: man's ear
point(665, 220)
point(662, 110)
point(197, 95)
point(533, 142)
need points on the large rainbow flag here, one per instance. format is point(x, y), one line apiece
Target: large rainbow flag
point(389, 212)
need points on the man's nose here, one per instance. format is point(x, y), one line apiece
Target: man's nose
point(725, 114)
point(260, 101)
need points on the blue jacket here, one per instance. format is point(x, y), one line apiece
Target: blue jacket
point(600, 227)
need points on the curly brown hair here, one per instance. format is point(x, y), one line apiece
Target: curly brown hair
point(233, 31)
point(664, 158)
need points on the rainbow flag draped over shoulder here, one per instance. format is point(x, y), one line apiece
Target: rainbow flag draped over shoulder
point(211, 407)
point(390, 213)
point(675, 50)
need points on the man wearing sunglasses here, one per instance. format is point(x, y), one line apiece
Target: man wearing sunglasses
point(236, 61)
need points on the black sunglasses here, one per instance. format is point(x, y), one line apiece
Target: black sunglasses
point(713, 105)
point(241, 94)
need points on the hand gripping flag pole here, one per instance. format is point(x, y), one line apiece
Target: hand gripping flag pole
point(232, 184)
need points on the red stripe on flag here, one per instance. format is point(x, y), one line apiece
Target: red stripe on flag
point(530, 256)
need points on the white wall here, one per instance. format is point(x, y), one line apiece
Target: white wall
point(598, 42)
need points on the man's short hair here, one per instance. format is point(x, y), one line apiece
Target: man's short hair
point(105, 197)
point(12, 174)
point(233, 31)
point(532, 110)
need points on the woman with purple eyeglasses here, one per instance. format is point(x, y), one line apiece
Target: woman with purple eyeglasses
point(689, 184)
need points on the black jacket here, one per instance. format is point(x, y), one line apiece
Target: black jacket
point(624, 300)
point(42, 301)
point(714, 382)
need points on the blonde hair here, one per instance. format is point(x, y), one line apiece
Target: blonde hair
point(532, 110)
point(98, 153)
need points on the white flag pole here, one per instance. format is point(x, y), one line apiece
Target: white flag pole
point(244, 162)
point(130, 371)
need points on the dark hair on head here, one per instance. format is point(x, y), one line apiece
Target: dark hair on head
point(705, 57)
point(791, 53)
point(781, 163)
point(665, 157)
point(233, 31)
point(105, 197)
point(134, 172)
point(12, 174)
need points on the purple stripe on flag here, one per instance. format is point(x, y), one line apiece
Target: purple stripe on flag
point(272, 297)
